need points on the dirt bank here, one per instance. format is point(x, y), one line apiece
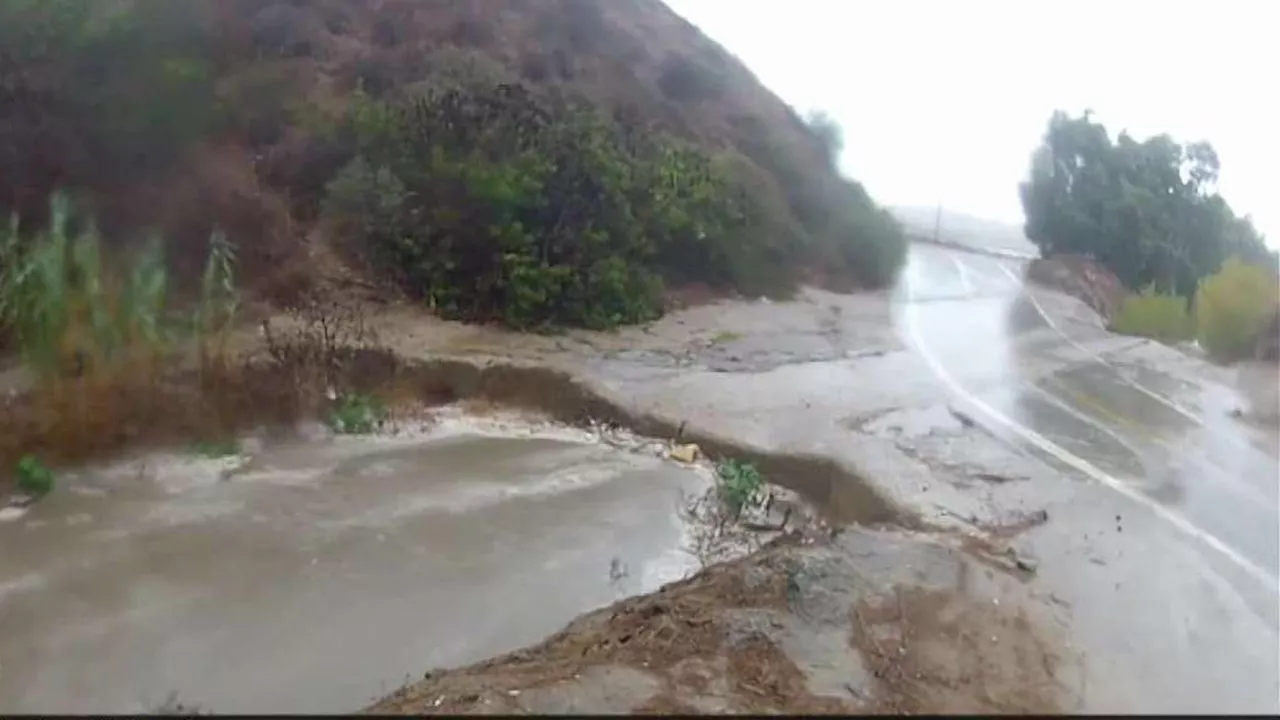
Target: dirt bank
point(1081, 278)
point(805, 626)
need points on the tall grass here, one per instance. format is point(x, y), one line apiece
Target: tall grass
point(67, 316)
point(97, 336)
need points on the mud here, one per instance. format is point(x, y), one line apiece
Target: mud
point(249, 583)
point(802, 627)
point(868, 407)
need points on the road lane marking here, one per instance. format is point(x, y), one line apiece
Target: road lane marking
point(1078, 463)
point(1167, 402)
point(1228, 480)
point(965, 282)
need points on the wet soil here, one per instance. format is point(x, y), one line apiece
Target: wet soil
point(808, 625)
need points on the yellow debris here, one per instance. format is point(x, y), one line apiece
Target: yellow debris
point(685, 453)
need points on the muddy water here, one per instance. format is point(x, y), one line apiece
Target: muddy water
point(319, 574)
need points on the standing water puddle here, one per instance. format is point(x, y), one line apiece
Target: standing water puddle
point(319, 575)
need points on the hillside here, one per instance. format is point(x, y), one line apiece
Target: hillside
point(239, 114)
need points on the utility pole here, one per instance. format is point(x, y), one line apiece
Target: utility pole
point(937, 223)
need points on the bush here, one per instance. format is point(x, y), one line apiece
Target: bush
point(357, 414)
point(493, 204)
point(740, 485)
point(1155, 315)
point(34, 477)
point(842, 232)
point(1231, 308)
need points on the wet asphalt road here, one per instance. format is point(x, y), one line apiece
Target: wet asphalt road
point(1165, 539)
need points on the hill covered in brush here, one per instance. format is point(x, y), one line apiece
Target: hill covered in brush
point(536, 162)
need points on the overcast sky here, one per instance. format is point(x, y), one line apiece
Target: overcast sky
point(945, 100)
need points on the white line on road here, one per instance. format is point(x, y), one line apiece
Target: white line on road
point(1079, 463)
point(1172, 405)
point(965, 282)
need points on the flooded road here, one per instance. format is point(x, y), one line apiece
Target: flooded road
point(1172, 498)
point(315, 576)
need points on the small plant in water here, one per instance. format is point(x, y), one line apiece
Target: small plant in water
point(34, 477)
point(740, 485)
point(356, 414)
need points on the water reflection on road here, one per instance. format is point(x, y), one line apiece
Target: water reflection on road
point(1141, 433)
point(981, 327)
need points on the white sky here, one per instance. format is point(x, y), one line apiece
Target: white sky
point(945, 100)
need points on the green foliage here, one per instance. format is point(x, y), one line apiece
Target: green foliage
point(870, 244)
point(34, 477)
point(1156, 315)
point(66, 314)
point(491, 203)
point(740, 485)
point(72, 315)
point(355, 414)
point(1146, 210)
point(1231, 308)
point(828, 132)
point(825, 221)
point(102, 87)
point(216, 448)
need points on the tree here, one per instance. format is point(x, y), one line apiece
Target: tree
point(828, 132)
point(1147, 210)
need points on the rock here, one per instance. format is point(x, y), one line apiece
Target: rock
point(9, 514)
point(21, 500)
point(685, 453)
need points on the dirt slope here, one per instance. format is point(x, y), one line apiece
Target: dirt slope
point(869, 622)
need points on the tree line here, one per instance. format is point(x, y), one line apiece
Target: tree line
point(1148, 210)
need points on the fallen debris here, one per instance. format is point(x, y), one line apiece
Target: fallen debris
point(685, 453)
point(964, 418)
point(997, 478)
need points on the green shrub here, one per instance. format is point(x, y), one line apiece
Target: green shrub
point(1155, 315)
point(740, 485)
point(870, 244)
point(493, 204)
point(841, 231)
point(34, 477)
point(71, 315)
point(356, 414)
point(1231, 308)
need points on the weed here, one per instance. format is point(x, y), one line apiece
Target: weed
point(34, 477)
point(356, 414)
point(740, 485)
point(724, 336)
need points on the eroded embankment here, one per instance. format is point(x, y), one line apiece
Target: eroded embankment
point(868, 622)
point(841, 496)
point(737, 636)
point(176, 411)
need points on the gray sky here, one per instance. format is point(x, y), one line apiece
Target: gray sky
point(946, 100)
